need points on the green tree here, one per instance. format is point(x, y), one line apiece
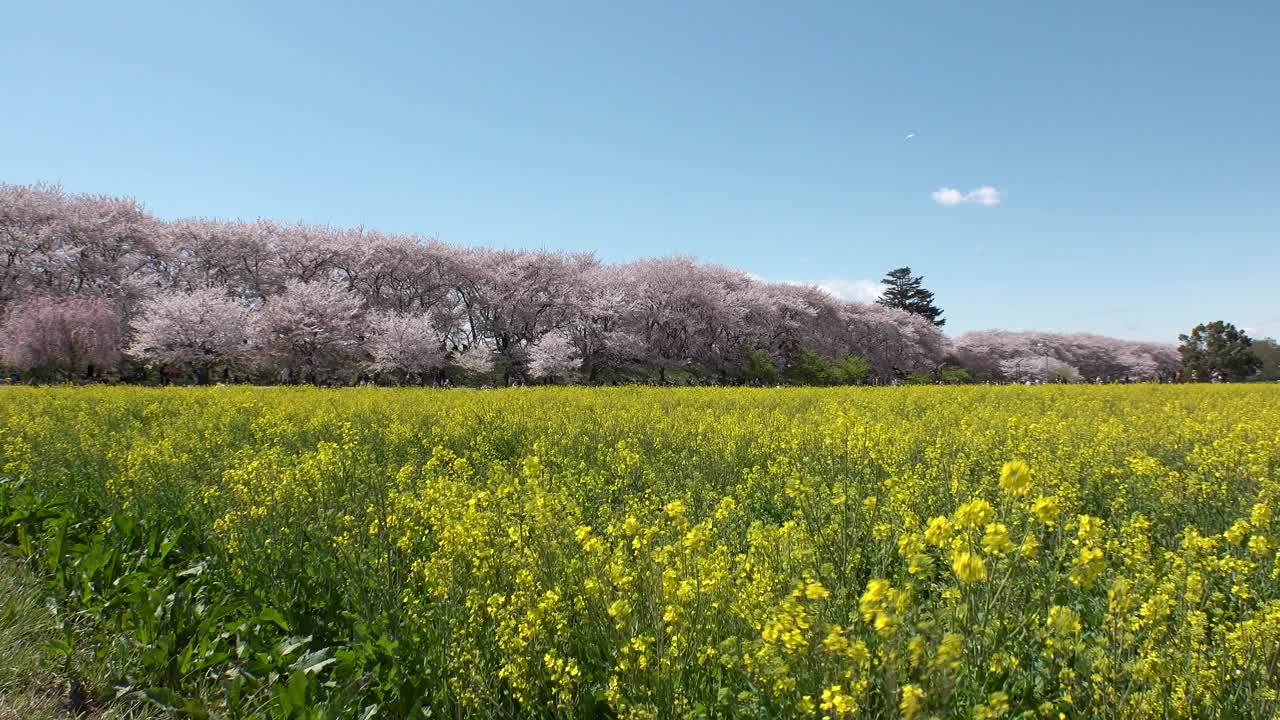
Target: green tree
point(1268, 351)
point(758, 368)
point(850, 369)
point(809, 368)
point(906, 292)
point(1217, 349)
point(952, 375)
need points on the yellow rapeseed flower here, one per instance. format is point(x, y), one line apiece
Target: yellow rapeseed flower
point(938, 532)
point(1086, 568)
point(1063, 622)
point(874, 598)
point(995, 540)
point(836, 700)
point(814, 590)
point(950, 651)
point(1091, 530)
point(1015, 478)
point(975, 513)
point(969, 567)
point(1046, 509)
point(1260, 516)
point(912, 701)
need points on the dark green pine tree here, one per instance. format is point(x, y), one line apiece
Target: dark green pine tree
point(906, 292)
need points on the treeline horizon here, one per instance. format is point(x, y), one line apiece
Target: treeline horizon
point(93, 286)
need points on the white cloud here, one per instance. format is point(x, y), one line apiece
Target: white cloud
point(861, 290)
point(948, 196)
point(858, 289)
point(1268, 328)
point(986, 196)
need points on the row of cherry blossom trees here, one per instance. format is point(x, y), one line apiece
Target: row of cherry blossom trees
point(92, 284)
point(1036, 356)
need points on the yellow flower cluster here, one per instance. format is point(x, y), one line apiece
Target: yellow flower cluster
point(982, 552)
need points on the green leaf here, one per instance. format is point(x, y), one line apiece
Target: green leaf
point(163, 697)
point(169, 542)
point(313, 662)
point(194, 709)
point(273, 616)
point(290, 644)
point(297, 690)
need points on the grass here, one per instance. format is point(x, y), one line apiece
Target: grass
point(32, 684)
point(29, 685)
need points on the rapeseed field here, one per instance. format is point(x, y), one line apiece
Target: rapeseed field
point(971, 552)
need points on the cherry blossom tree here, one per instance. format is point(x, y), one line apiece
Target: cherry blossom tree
point(311, 331)
point(59, 244)
point(309, 253)
point(405, 345)
point(512, 298)
point(553, 357)
point(62, 337)
point(786, 319)
point(197, 331)
point(894, 342)
point(608, 349)
point(31, 218)
point(477, 359)
point(105, 245)
point(236, 256)
point(398, 272)
point(687, 315)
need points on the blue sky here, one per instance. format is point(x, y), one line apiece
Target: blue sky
point(1133, 145)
